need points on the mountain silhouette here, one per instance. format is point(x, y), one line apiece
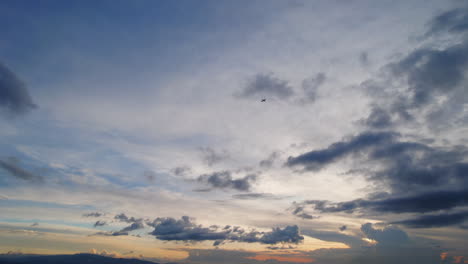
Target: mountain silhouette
point(81, 258)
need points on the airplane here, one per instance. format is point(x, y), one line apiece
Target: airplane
point(263, 100)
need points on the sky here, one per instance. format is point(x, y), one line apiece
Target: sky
point(198, 132)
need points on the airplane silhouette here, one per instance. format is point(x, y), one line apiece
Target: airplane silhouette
point(263, 100)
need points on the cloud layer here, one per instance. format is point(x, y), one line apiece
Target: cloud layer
point(14, 96)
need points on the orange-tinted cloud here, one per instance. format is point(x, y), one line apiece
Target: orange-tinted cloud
point(285, 259)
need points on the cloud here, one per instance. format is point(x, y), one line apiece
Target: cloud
point(451, 21)
point(268, 162)
point(364, 59)
point(124, 218)
point(351, 241)
point(387, 236)
point(406, 253)
point(282, 258)
point(181, 171)
point(211, 157)
point(100, 223)
point(437, 220)
point(289, 234)
point(135, 223)
point(401, 165)
point(150, 176)
point(134, 226)
point(420, 203)
point(315, 160)
point(257, 196)
point(106, 253)
point(266, 85)
point(12, 167)
point(93, 214)
point(185, 229)
point(299, 212)
point(310, 87)
point(111, 233)
point(224, 180)
point(14, 96)
point(429, 82)
point(430, 72)
point(378, 118)
point(306, 216)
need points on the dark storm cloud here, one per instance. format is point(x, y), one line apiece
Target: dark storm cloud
point(266, 85)
point(315, 160)
point(211, 157)
point(185, 229)
point(310, 87)
point(93, 214)
point(437, 220)
point(421, 203)
point(12, 167)
point(426, 202)
point(100, 223)
point(224, 180)
point(401, 165)
point(14, 96)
